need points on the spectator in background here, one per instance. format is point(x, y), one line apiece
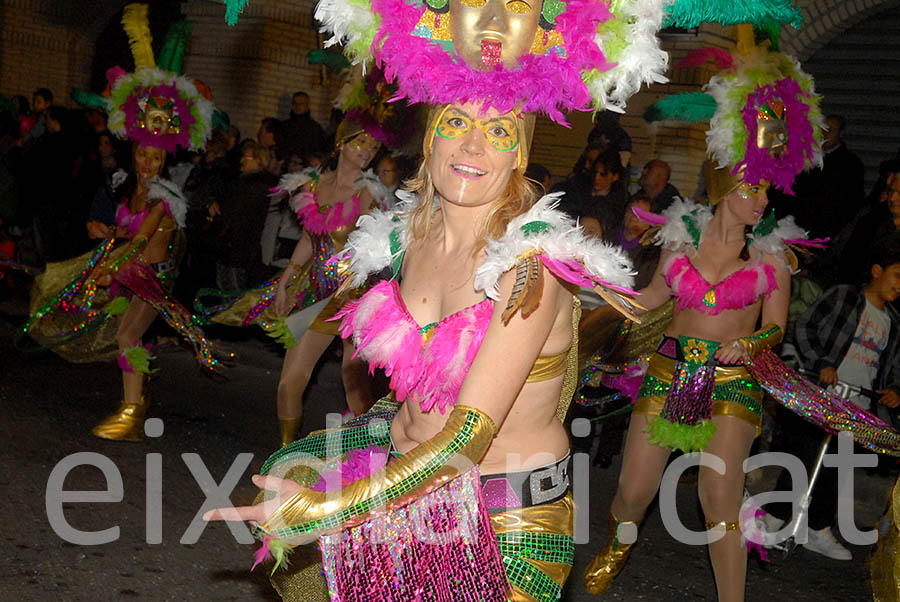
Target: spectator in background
point(103, 207)
point(41, 100)
point(829, 197)
point(608, 135)
point(539, 174)
point(271, 135)
point(654, 181)
point(643, 257)
point(882, 223)
point(600, 194)
point(301, 130)
point(243, 210)
point(97, 118)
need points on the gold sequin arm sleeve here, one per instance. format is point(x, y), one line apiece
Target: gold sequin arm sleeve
point(461, 444)
point(765, 338)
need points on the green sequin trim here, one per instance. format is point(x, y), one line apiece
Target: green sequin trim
point(333, 443)
point(551, 10)
point(543, 547)
point(530, 580)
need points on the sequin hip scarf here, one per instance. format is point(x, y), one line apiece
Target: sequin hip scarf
point(685, 387)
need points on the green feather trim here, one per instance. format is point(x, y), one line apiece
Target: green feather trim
point(220, 119)
point(171, 57)
point(691, 13)
point(333, 60)
point(90, 100)
point(685, 437)
point(233, 8)
point(279, 331)
point(690, 107)
point(138, 358)
point(280, 552)
point(116, 307)
point(691, 225)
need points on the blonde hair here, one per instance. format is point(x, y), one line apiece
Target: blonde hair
point(516, 199)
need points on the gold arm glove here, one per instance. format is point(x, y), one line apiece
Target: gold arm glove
point(765, 338)
point(461, 444)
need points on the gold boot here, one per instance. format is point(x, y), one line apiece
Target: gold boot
point(127, 424)
point(289, 428)
point(611, 559)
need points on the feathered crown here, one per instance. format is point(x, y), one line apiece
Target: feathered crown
point(365, 101)
point(155, 105)
point(764, 115)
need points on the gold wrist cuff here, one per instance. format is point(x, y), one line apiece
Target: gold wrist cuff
point(765, 338)
point(460, 445)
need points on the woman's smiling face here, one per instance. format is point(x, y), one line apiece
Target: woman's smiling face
point(473, 154)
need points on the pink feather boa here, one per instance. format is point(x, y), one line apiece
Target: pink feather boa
point(324, 219)
point(736, 291)
point(387, 336)
point(358, 464)
point(426, 73)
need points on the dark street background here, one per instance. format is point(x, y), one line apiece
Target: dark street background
point(49, 407)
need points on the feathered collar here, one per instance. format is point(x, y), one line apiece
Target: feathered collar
point(382, 237)
point(169, 193)
point(682, 225)
point(291, 183)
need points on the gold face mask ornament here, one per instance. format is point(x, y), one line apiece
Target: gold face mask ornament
point(488, 33)
point(771, 129)
point(157, 116)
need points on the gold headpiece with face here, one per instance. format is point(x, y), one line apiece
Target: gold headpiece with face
point(487, 33)
point(157, 115)
point(771, 129)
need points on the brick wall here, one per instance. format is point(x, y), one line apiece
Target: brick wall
point(255, 67)
point(39, 47)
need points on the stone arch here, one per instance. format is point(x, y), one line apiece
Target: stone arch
point(823, 20)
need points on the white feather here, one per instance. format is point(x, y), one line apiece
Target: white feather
point(369, 246)
point(345, 20)
point(169, 193)
point(643, 62)
point(674, 235)
point(562, 240)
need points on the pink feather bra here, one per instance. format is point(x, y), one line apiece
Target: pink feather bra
point(324, 219)
point(426, 363)
point(736, 291)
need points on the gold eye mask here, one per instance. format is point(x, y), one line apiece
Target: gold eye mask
point(501, 132)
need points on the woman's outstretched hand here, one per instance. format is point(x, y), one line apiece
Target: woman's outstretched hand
point(258, 513)
point(732, 352)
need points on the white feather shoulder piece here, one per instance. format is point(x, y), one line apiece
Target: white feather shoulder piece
point(550, 232)
point(369, 246)
point(170, 194)
point(347, 22)
point(674, 234)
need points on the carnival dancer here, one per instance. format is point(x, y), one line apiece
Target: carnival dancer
point(294, 306)
point(476, 322)
point(160, 111)
point(728, 267)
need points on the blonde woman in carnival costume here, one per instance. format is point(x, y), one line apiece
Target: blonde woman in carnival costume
point(728, 268)
point(160, 111)
point(475, 320)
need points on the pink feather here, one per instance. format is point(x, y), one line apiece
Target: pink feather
point(358, 464)
point(388, 337)
point(573, 271)
point(322, 219)
point(736, 291)
point(648, 217)
point(698, 58)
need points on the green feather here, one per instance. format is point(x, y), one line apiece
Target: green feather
point(280, 552)
point(691, 107)
point(535, 227)
point(233, 8)
point(116, 307)
point(89, 100)
point(333, 60)
point(692, 228)
point(138, 357)
point(171, 57)
point(691, 13)
point(685, 437)
point(220, 119)
point(279, 331)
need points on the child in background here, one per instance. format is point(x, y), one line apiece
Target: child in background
point(850, 335)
